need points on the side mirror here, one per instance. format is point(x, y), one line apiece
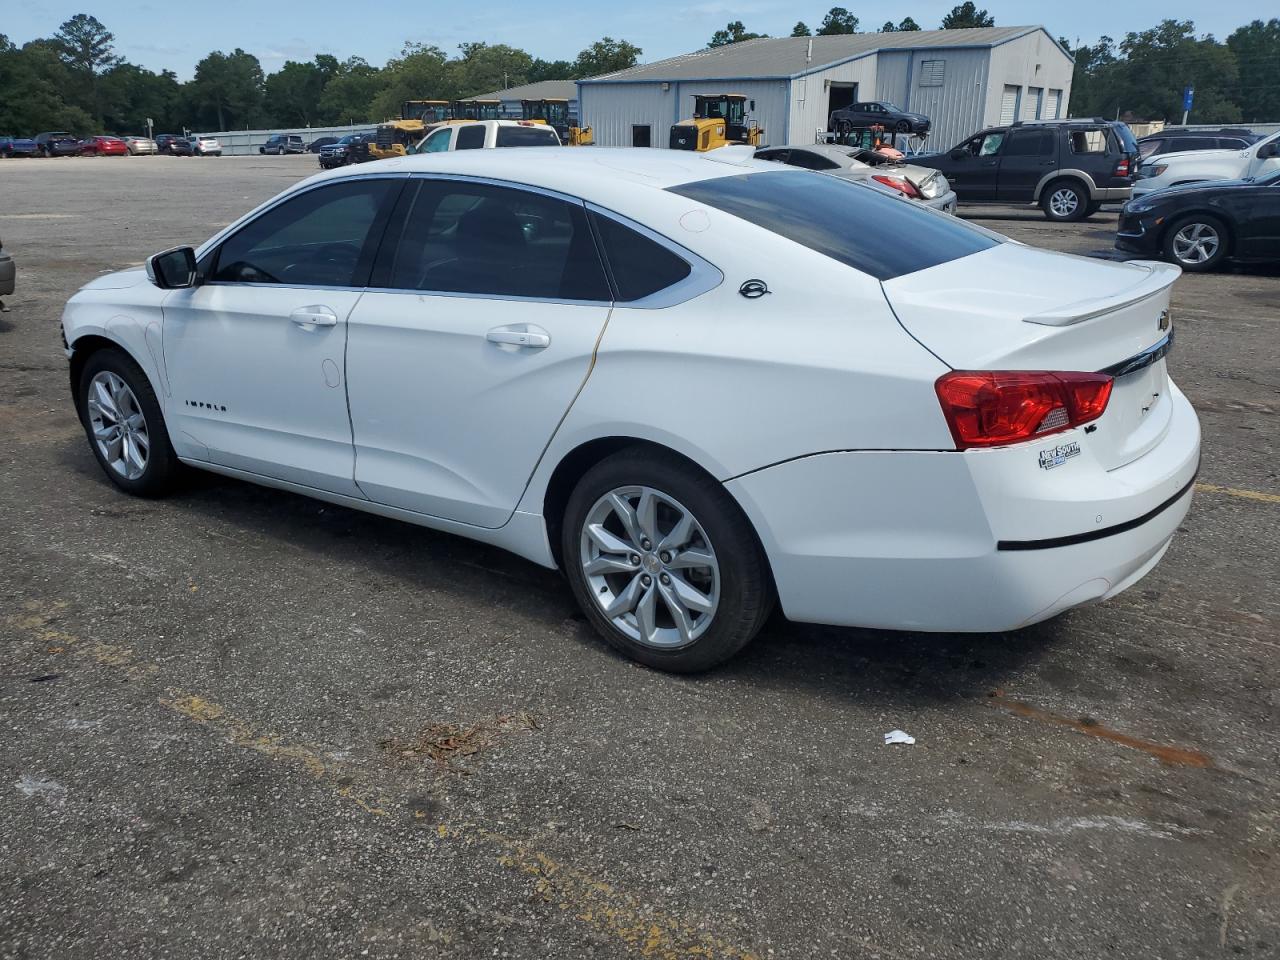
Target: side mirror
point(173, 269)
point(959, 153)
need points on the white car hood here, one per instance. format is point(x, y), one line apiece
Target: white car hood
point(120, 280)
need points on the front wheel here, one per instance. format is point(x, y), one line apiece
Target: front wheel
point(125, 425)
point(904, 126)
point(1065, 201)
point(663, 562)
point(1197, 243)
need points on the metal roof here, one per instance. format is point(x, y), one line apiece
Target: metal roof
point(786, 57)
point(543, 90)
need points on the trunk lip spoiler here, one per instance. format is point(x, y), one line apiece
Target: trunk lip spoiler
point(1159, 277)
point(1140, 361)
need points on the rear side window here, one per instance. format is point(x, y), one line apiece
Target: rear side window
point(848, 222)
point(1088, 141)
point(640, 266)
point(1030, 143)
point(470, 138)
point(461, 237)
point(536, 136)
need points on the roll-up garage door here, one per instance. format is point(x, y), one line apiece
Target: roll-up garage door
point(1009, 104)
point(1051, 104)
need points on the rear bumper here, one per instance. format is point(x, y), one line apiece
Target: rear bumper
point(1112, 194)
point(938, 541)
point(946, 203)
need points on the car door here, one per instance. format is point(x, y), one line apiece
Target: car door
point(254, 354)
point(973, 167)
point(477, 333)
point(1256, 210)
point(1026, 155)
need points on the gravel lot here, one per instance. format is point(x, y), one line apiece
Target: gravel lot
point(240, 723)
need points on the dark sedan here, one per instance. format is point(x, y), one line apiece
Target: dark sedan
point(877, 112)
point(1199, 225)
point(17, 147)
point(57, 144)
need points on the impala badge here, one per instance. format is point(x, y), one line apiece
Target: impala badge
point(754, 289)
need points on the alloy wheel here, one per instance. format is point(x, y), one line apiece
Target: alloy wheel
point(650, 566)
point(1063, 202)
point(1196, 243)
point(118, 425)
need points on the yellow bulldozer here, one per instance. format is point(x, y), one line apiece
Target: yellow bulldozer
point(395, 137)
point(719, 119)
point(555, 113)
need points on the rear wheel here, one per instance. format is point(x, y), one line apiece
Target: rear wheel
point(904, 126)
point(1092, 208)
point(1064, 201)
point(125, 425)
point(1197, 242)
point(663, 562)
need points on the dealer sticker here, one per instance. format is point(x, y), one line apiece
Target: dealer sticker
point(1057, 456)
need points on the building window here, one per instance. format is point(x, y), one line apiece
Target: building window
point(932, 72)
point(641, 135)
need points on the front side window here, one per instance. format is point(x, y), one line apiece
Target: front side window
point(830, 216)
point(461, 237)
point(438, 142)
point(318, 238)
point(989, 145)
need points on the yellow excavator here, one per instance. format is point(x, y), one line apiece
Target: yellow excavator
point(718, 120)
point(395, 137)
point(555, 113)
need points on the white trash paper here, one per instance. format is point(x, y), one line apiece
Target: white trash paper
point(898, 736)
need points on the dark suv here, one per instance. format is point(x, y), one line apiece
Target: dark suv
point(879, 112)
point(282, 143)
point(57, 144)
point(1069, 167)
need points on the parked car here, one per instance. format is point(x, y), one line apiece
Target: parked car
point(17, 147)
point(852, 163)
point(206, 147)
point(1069, 167)
point(103, 147)
point(57, 144)
point(831, 339)
point(881, 112)
point(1181, 141)
point(1172, 169)
point(8, 275)
point(165, 142)
point(280, 144)
point(353, 148)
point(486, 134)
point(315, 145)
point(1199, 226)
point(141, 146)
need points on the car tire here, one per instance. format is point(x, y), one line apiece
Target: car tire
point(636, 594)
point(903, 126)
point(1065, 201)
point(1092, 208)
point(1197, 242)
point(114, 390)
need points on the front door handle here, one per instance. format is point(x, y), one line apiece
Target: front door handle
point(315, 315)
point(520, 335)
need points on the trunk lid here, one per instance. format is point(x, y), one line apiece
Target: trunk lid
point(1052, 311)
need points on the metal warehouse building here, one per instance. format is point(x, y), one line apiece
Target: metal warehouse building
point(543, 90)
point(961, 79)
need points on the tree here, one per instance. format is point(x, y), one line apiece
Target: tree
point(801, 29)
point(606, 56)
point(484, 68)
point(967, 15)
point(1257, 51)
point(349, 96)
point(34, 80)
point(131, 94)
point(550, 70)
point(907, 24)
point(291, 95)
point(227, 87)
point(85, 46)
point(838, 21)
point(421, 72)
point(734, 32)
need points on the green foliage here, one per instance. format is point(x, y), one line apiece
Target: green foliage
point(801, 29)
point(906, 25)
point(227, 90)
point(734, 32)
point(606, 56)
point(838, 21)
point(550, 70)
point(967, 15)
point(1256, 47)
point(34, 80)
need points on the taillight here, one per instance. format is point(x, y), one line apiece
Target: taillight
point(992, 408)
point(1122, 168)
point(900, 184)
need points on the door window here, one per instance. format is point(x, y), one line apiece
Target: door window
point(470, 138)
point(537, 135)
point(640, 266)
point(318, 238)
point(473, 238)
point(1029, 143)
point(438, 142)
point(985, 144)
point(1088, 141)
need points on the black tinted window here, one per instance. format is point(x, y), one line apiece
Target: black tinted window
point(535, 136)
point(640, 266)
point(1030, 143)
point(470, 138)
point(848, 222)
point(493, 241)
point(811, 161)
point(317, 238)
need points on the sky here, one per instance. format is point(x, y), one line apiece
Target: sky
point(164, 35)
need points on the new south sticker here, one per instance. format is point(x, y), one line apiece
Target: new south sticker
point(1057, 456)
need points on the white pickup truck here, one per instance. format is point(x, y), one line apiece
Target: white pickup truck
point(485, 134)
point(1193, 166)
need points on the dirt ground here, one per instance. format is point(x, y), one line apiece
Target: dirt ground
point(241, 723)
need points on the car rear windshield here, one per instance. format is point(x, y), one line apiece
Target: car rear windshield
point(855, 224)
point(1127, 143)
point(538, 136)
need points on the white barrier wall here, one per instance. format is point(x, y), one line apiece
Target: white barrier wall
point(245, 142)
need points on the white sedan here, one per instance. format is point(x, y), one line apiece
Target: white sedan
point(699, 385)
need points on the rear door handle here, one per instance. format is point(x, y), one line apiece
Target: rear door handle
point(315, 315)
point(520, 335)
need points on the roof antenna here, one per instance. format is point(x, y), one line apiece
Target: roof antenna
point(808, 53)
